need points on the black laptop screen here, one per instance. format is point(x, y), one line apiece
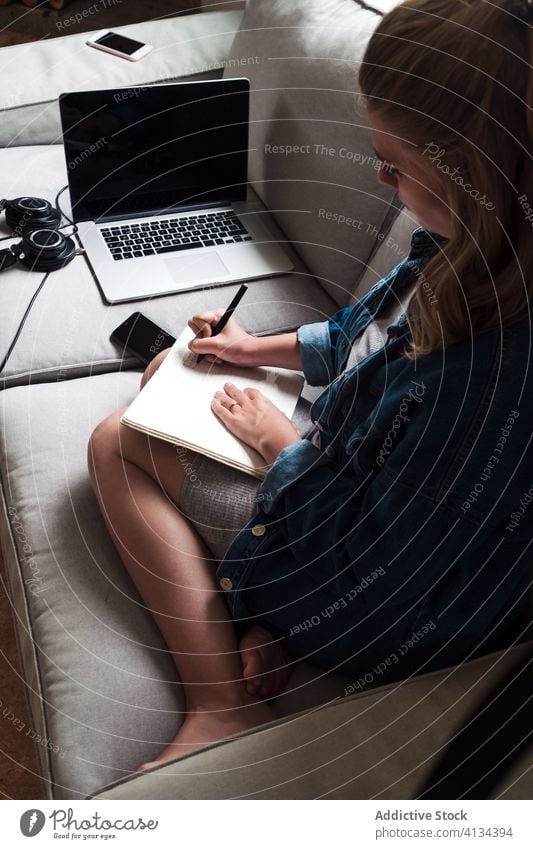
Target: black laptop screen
point(155, 148)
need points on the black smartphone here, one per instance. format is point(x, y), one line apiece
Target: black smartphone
point(142, 337)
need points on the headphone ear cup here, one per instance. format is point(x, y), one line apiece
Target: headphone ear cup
point(45, 250)
point(27, 213)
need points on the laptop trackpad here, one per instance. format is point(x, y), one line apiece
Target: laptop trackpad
point(207, 265)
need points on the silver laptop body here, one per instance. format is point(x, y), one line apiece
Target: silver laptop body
point(158, 186)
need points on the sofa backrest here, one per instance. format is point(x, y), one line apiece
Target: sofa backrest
point(311, 157)
point(185, 47)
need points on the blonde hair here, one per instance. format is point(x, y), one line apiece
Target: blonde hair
point(456, 74)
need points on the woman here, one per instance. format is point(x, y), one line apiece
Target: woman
point(379, 544)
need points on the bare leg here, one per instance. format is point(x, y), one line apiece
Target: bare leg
point(266, 666)
point(137, 481)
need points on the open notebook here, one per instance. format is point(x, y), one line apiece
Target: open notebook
point(175, 404)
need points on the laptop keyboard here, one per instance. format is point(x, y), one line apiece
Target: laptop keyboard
point(174, 234)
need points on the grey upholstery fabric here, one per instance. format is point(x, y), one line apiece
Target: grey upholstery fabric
point(40, 72)
point(102, 687)
point(67, 332)
point(311, 157)
point(381, 744)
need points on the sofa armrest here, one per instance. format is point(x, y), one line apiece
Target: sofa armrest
point(187, 46)
point(382, 743)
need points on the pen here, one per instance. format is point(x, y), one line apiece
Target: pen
point(220, 325)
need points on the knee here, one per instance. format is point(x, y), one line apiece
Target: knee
point(152, 367)
point(104, 443)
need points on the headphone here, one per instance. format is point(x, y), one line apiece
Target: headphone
point(43, 247)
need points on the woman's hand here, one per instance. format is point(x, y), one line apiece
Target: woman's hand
point(232, 345)
point(251, 417)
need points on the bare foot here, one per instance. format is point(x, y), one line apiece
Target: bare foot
point(265, 663)
point(201, 728)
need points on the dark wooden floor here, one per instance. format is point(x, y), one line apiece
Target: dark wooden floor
point(19, 777)
point(19, 24)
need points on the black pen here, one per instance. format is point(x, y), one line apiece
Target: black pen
point(220, 325)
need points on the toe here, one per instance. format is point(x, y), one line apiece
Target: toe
point(252, 664)
point(265, 663)
point(144, 767)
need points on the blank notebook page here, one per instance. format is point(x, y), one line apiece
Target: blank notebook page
point(176, 404)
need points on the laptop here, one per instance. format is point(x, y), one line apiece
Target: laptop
point(158, 185)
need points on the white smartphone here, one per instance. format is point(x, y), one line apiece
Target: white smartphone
point(119, 45)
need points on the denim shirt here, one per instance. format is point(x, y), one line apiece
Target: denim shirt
point(400, 542)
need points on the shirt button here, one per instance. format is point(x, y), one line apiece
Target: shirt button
point(258, 530)
point(226, 583)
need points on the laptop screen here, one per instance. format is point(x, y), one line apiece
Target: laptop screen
point(155, 148)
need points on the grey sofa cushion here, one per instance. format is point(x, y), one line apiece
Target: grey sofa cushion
point(393, 246)
point(102, 688)
point(67, 332)
point(186, 45)
point(311, 158)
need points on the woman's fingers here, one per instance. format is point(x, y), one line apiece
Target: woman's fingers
point(236, 394)
point(195, 327)
point(231, 402)
point(221, 409)
point(202, 330)
point(202, 317)
point(202, 322)
point(228, 397)
point(222, 399)
point(231, 394)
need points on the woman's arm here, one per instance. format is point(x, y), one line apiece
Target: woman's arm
point(281, 351)
point(238, 347)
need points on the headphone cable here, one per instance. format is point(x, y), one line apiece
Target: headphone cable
point(22, 322)
point(63, 213)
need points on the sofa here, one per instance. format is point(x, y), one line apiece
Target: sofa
point(102, 691)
